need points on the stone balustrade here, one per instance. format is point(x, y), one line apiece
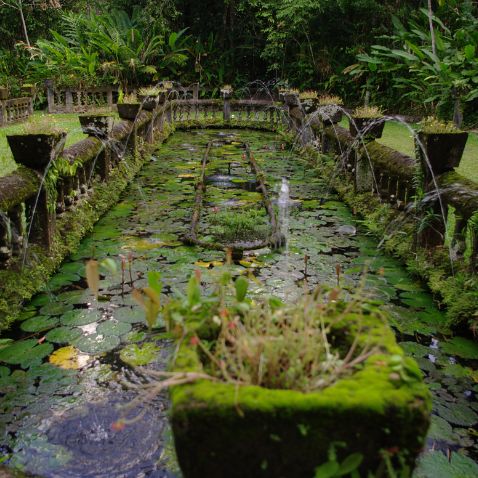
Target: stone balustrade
point(15, 110)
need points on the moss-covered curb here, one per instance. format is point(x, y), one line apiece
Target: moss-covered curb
point(456, 290)
point(21, 283)
point(223, 430)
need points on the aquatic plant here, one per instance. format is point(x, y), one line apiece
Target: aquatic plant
point(240, 225)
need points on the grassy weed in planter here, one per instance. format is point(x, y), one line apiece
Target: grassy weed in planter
point(287, 382)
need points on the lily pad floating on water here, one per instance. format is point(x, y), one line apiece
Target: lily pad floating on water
point(461, 347)
point(441, 430)
point(136, 355)
point(131, 315)
point(113, 327)
point(63, 335)
point(435, 464)
point(55, 308)
point(39, 324)
point(80, 317)
point(25, 353)
point(457, 413)
point(96, 343)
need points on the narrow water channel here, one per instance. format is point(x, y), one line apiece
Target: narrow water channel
point(70, 363)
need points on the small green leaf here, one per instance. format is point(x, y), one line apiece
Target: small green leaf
point(327, 470)
point(241, 285)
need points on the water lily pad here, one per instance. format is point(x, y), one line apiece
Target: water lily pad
point(457, 413)
point(113, 327)
point(435, 464)
point(63, 335)
point(39, 324)
point(132, 315)
point(441, 430)
point(69, 358)
point(96, 343)
point(80, 317)
point(25, 353)
point(4, 371)
point(135, 336)
point(136, 355)
point(55, 308)
point(415, 349)
point(461, 347)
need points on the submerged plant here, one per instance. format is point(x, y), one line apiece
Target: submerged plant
point(368, 112)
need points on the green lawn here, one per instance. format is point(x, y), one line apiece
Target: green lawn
point(399, 137)
point(67, 121)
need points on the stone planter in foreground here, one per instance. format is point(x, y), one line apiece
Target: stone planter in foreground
point(221, 430)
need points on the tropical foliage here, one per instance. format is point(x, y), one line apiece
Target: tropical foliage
point(436, 67)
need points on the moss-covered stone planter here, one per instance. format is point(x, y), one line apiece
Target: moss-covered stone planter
point(224, 430)
point(98, 125)
point(329, 114)
point(443, 150)
point(28, 90)
point(368, 128)
point(128, 111)
point(148, 102)
point(36, 150)
point(3, 93)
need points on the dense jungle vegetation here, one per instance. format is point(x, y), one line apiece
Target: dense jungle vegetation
point(412, 56)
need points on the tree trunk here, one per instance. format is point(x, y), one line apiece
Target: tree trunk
point(24, 25)
point(432, 31)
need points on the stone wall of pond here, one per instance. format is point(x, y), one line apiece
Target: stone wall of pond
point(430, 222)
point(44, 213)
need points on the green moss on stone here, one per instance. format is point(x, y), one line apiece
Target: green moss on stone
point(223, 430)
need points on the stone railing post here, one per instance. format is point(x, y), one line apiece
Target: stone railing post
point(226, 111)
point(296, 116)
point(2, 113)
point(69, 101)
point(50, 96)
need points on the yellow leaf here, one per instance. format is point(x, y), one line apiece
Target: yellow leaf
point(209, 264)
point(69, 358)
point(186, 176)
point(93, 276)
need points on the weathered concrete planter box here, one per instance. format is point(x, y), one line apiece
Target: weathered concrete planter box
point(98, 125)
point(329, 114)
point(128, 111)
point(369, 128)
point(444, 150)
point(148, 102)
point(36, 150)
point(221, 430)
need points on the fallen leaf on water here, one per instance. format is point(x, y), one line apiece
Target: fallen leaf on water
point(209, 264)
point(69, 357)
